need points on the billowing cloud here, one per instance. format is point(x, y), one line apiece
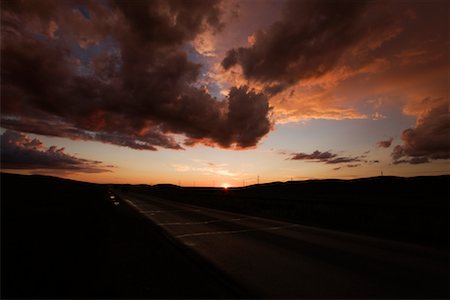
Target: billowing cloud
point(329, 59)
point(309, 41)
point(119, 72)
point(302, 58)
point(19, 151)
point(385, 143)
point(429, 139)
point(242, 122)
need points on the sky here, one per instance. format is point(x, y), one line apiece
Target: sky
point(215, 93)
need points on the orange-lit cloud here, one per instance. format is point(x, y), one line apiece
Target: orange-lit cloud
point(312, 70)
point(429, 139)
point(205, 43)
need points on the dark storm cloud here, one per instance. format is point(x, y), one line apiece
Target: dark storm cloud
point(119, 74)
point(241, 120)
point(385, 143)
point(18, 151)
point(429, 140)
point(309, 40)
point(169, 22)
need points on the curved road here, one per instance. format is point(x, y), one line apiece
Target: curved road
point(276, 259)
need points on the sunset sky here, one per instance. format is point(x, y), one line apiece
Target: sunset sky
point(211, 93)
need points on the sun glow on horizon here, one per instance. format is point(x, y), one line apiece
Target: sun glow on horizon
point(226, 186)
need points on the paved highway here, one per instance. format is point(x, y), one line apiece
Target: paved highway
point(276, 259)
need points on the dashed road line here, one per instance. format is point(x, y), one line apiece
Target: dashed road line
point(235, 231)
point(205, 222)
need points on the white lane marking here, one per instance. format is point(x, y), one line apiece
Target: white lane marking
point(154, 211)
point(226, 232)
point(204, 222)
point(132, 204)
point(235, 231)
point(189, 208)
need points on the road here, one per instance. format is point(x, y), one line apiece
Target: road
point(274, 259)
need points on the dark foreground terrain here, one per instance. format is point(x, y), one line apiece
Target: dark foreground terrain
point(64, 239)
point(67, 239)
point(284, 260)
point(406, 209)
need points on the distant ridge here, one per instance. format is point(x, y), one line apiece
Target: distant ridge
point(384, 178)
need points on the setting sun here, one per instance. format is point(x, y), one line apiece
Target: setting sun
point(226, 186)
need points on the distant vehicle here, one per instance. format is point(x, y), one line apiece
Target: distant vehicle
point(114, 198)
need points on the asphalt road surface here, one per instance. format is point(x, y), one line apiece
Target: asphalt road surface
point(274, 259)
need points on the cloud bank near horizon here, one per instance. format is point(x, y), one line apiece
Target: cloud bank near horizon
point(20, 152)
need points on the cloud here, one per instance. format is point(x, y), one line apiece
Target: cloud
point(118, 72)
point(301, 59)
point(241, 123)
point(385, 143)
point(429, 139)
point(353, 165)
point(205, 44)
point(145, 139)
point(131, 73)
point(340, 160)
point(324, 157)
point(309, 41)
point(19, 151)
point(324, 59)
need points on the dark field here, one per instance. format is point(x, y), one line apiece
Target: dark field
point(65, 239)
